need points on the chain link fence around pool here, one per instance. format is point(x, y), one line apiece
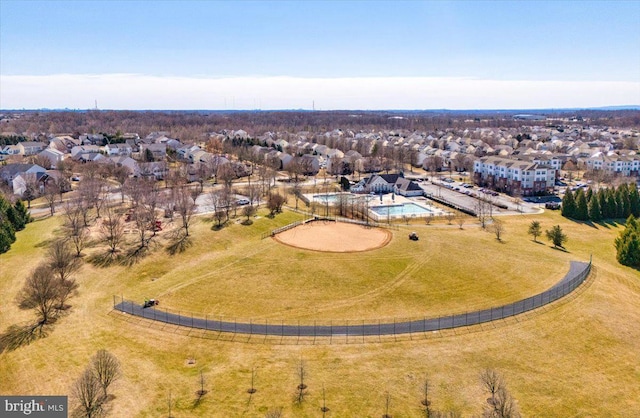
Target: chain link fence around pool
point(577, 274)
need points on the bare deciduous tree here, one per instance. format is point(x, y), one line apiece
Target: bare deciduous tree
point(50, 194)
point(40, 292)
point(74, 223)
point(501, 404)
point(387, 404)
point(144, 201)
point(112, 229)
point(275, 202)
point(88, 393)
point(248, 211)
point(226, 174)
point(274, 413)
point(449, 216)
point(301, 389)
point(219, 200)
point(185, 205)
point(426, 402)
point(63, 264)
point(120, 174)
point(93, 191)
point(491, 381)
point(482, 208)
point(106, 369)
point(498, 228)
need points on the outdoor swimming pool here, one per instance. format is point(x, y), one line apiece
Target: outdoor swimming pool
point(408, 209)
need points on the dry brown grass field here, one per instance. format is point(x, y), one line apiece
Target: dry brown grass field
point(578, 357)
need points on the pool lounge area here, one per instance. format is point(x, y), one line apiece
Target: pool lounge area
point(402, 210)
point(382, 208)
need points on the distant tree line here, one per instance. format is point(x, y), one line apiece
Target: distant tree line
point(190, 125)
point(12, 218)
point(606, 203)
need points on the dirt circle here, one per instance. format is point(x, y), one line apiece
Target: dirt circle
point(337, 237)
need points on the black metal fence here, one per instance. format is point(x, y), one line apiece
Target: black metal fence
point(577, 274)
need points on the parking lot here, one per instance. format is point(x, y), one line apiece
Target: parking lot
point(466, 195)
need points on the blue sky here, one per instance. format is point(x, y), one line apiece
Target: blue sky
point(346, 55)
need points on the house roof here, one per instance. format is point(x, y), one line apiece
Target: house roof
point(407, 185)
point(11, 170)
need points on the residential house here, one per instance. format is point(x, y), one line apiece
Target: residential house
point(86, 157)
point(31, 147)
point(158, 150)
point(21, 181)
point(127, 162)
point(118, 150)
point(53, 155)
point(10, 150)
point(93, 139)
point(64, 143)
point(84, 149)
point(156, 170)
point(10, 171)
point(310, 164)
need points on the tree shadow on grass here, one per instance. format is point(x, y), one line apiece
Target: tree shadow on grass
point(179, 244)
point(134, 255)
point(199, 398)
point(219, 227)
point(106, 259)
point(17, 336)
point(564, 250)
point(45, 243)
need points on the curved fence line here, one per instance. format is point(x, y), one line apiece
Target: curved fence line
point(577, 274)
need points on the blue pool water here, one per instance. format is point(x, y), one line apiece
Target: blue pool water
point(399, 210)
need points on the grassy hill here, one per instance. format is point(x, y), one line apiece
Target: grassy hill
point(576, 357)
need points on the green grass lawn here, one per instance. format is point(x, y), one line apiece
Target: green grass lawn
point(577, 357)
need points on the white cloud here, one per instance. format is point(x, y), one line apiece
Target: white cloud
point(134, 91)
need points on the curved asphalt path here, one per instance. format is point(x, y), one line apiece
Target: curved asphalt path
point(578, 272)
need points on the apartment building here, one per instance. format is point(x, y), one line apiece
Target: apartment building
point(515, 177)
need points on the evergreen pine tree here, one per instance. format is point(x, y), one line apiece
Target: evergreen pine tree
point(568, 204)
point(612, 205)
point(602, 201)
point(582, 211)
point(7, 231)
point(23, 213)
point(634, 201)
point(589, 194)
point(7, 236)
point(623, 198)
point(628, 244)
point(619, 202)
point(595, 214)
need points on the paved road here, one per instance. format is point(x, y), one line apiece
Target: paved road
point(576, 275)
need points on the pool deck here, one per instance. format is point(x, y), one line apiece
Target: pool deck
point(388, 200)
